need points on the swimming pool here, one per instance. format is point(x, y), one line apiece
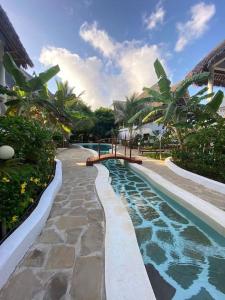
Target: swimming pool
point(104, 148)
point(184, 257)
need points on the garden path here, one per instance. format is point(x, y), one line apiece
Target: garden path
point(67, 259)
point(195, 188)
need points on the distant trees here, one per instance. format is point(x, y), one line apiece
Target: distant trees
point(104, 122)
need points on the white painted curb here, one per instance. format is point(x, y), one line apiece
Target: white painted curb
point(16, 245)
point(125, 274)
point(207, 212)
point(208, 183)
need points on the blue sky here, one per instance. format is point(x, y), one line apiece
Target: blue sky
point(107, 47)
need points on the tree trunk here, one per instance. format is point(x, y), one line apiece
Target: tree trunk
point(179, 137)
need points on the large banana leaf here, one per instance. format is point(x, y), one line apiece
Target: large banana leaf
point(37, 82)
point(170, 112)
point(204, 97)
point(201, 92)
point(215, 102)
point(164, 82)
point(165, 89)
point(153, 115)
point(44, 93)
point(15, 71)
point(160, 72)
point(154, 94)
point(197, 78)
point(143, 111)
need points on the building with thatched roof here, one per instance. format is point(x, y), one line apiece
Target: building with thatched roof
point(10, 42)
point(214, 63)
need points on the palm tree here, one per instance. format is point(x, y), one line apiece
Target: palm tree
point(124, 110)
point(174, 104)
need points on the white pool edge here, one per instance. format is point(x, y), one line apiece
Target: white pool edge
point(208, 183)
point(125, 274)
point(207, 212)
point(16, 245)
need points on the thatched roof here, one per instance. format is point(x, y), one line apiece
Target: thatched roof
point(13, 44)
point(216, 60)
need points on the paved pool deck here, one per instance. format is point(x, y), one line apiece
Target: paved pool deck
point(67, 260)
point(195, 188)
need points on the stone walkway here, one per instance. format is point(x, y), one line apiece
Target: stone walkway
point(67, 260)
point(198, 190)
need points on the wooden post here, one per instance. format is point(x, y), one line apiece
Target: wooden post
point(125, 153)
point(115, 146)
point(160, 148)
point(130, 148)
point(112, 145)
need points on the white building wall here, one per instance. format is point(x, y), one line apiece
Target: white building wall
point(148, 128)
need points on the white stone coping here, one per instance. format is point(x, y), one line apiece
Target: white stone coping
point(207, 212)
point(125, 274)
point(208, 183)
point(16, 245)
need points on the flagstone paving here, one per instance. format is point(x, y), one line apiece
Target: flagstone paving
point(67, 259)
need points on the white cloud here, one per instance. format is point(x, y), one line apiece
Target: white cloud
point(155, 18)
point(126, 67)
point(201, 14)
point(99, 39)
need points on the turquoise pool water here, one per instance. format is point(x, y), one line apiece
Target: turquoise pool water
point(184, 258)
point(104, 148)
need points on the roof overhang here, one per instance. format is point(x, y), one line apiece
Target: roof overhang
point(214, 63)
point(12, 43)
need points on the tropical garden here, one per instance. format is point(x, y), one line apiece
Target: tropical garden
point(37, 121)
point(34, 124)
point(190, 122)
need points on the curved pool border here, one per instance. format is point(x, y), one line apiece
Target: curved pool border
point(16, 245)
point(208, 183)
point(207, 212)
point(125, 273)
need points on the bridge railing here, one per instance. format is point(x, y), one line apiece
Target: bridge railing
point(128, 145)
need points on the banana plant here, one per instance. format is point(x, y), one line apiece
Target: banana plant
point(175, 106)
point(27, 92)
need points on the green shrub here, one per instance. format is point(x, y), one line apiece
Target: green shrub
point(29, 139)
point(58, 138)
point(204, 152)
point(24, 177)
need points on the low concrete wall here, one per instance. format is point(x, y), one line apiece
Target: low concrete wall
point(16, 245)
point(208, 183)
point(207, 212)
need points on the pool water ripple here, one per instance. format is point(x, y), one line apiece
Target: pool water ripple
point(189, 256)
